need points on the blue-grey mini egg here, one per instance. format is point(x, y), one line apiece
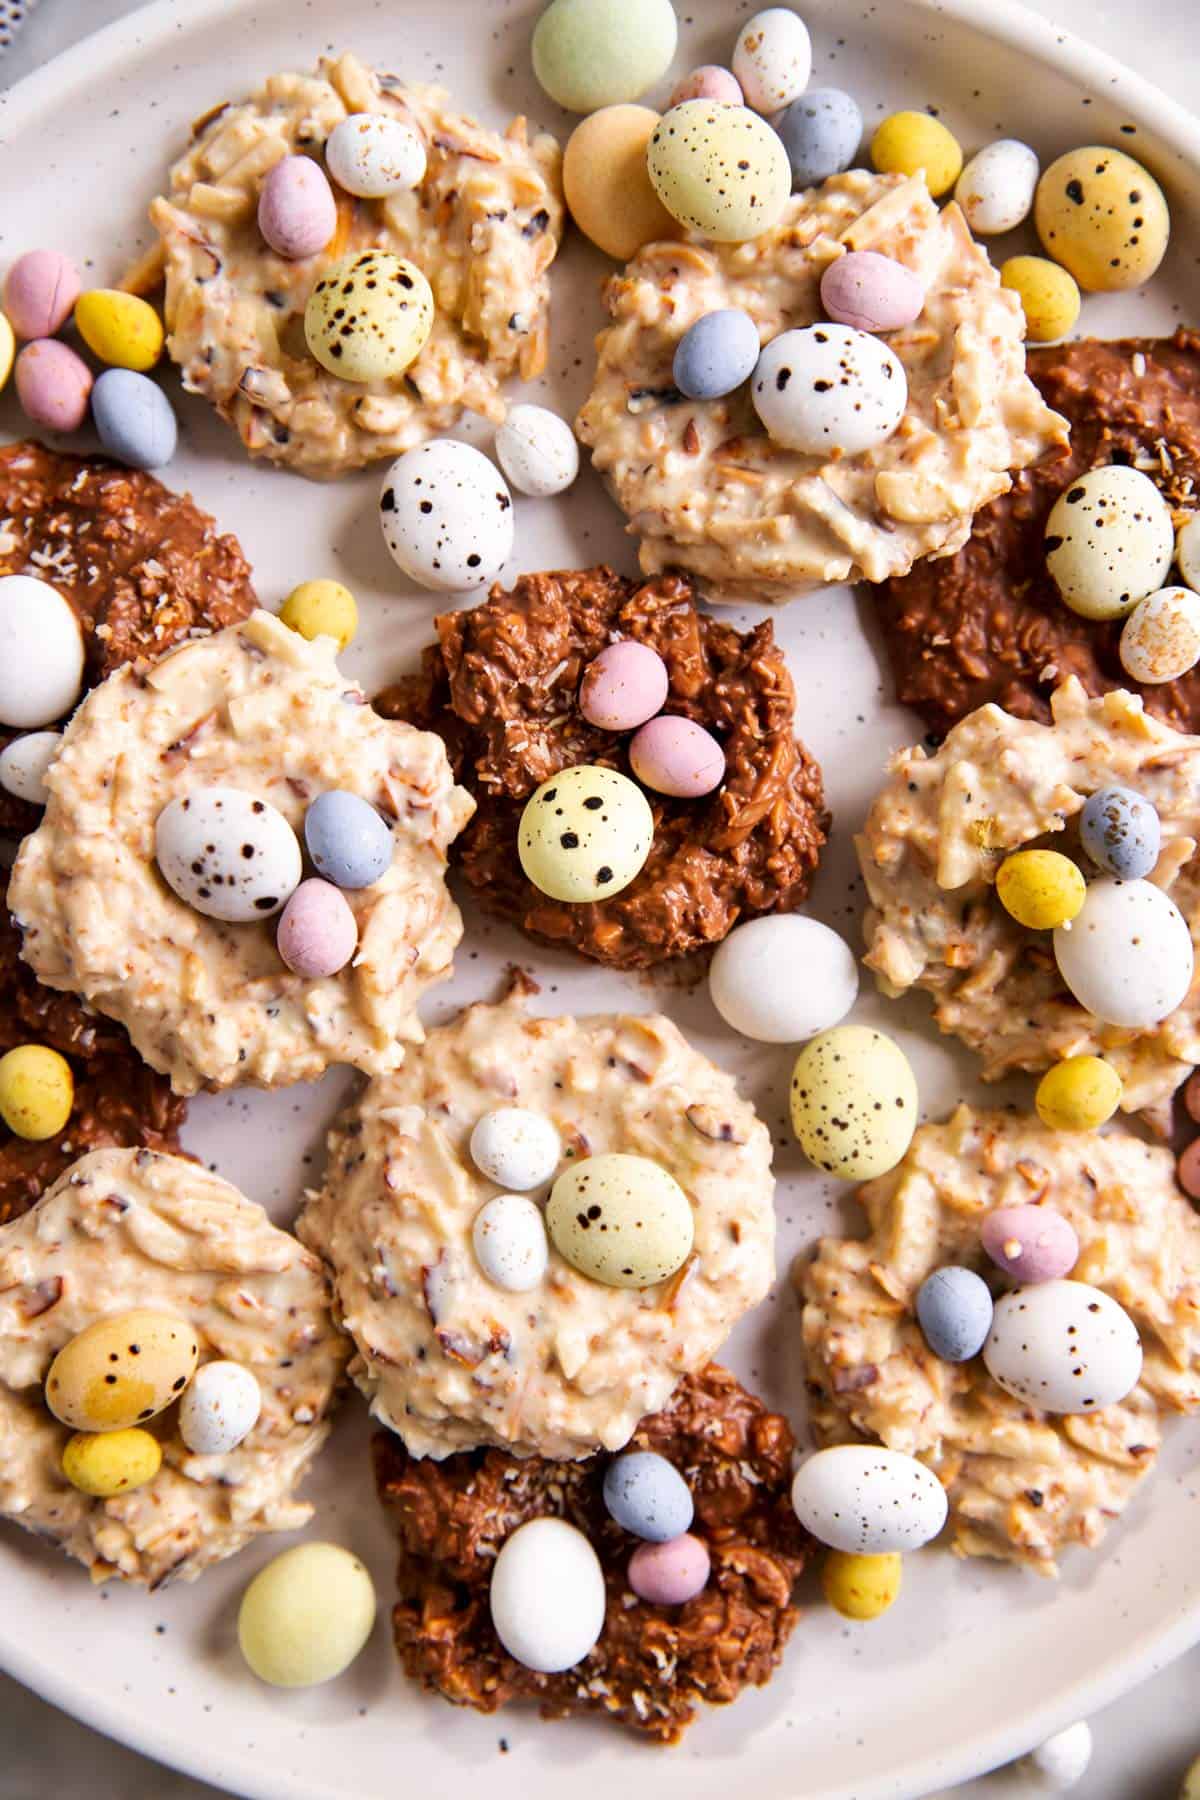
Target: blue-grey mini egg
point(821, 132)
point(954, 1310)
point(350, 844)
point(647, 1496)
point(716, 354)
point(1121, 833)
point(134, 419)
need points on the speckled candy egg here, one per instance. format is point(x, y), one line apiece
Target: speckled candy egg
point(39, 292)
point(121, 1371)
point(220, 1408)
point(954, 1311)
point(349, 841)
point(821, 132)
point(854, 1102)
point(716, 354)
point(516, 1147)
point(647, 1496)
point(373, 154)
point(306, 1616)
point(509, 1240)
point(53, 385)
point(593, 53)
point(1187, 551)
point(317, 932)
point(537, 451)
point(996, 188)
point(1104, 217)
point(670, 1574)
point(1160, 640)
point(1063, 1346)
point(1127, 958)
point(1030, 1244)
point(447, 516)
point(24, 762)
point(772, 58)
point(867, 1500)
point(107, 1463)
point(134, 420)
point(870, 292)
point(673, 755)
point(369, 316)
point(782, 979)
point(1049, 296)
point(227, 854)
point(1109, 541)
point(585, 834)
point(861, 1587)
point(620, 1220)
point(121, 329)
point(827, 390)
point(624, 686)
point(709, 82)
point(720, 170)
point(1121, 832)
point(41, 653)
point(297, 213)
point(547, 1595)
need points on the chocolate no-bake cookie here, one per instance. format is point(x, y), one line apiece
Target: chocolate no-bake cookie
point(501, 687)
point(653, 1665)
point(988, 623)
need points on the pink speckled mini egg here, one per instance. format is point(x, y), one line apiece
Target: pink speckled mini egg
point(672, 1573)
point(871, 292)
point(39, 291)
point(317, 933)
point(53, 385)
point(1030, 1243)
point(297, 213)
point(677, 757)
point(709, 82)
point(625, 685)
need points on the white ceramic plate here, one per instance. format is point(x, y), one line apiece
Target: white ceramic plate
point(977, 1662)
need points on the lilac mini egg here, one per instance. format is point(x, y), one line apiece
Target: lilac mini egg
point(317, 932)
point(39, 291)
point(625, 685)
point(871, 292)
point(1030, 1243)
point(297, 213)
point(709, 82)
point(53, 385)
point(674, 756)
point(670, 1574)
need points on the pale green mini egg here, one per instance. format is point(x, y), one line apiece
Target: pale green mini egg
point(585, 834)
point(593, 53)
point(719, 169)
point(369, 316)
point(306, 1616)
point(621, 1220)
point(122, 1371)
point(854, 1102)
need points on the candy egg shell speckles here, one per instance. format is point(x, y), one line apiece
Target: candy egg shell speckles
point(1127, 958)
point(24, 762)
point(996, 188)
point(670, 1574)
point(227, 854)
point(1109, 541)
point(624, 686)
point(516, 1147)
point(647, 1496)
point(719, 169)
point(537, 451)
point(297, 213)
point(1030, 1243)
point(1160, 640)
point(547, 1595)
point(1063, 1346)
point(373, 154)
point(121, 1371)
point(782, 979)
point(821, 132)
point(954, 1311)
point(41, 653)
point(509, 1240)
point(369, 316)
point(220, 1408)
point(854, 1103)
point(1121, 832)
point(867, 1500)
point(772, 59)
point(827, 390)
point(870, 292)
point(585, 834)
point(621, 1220)
point(447, 515)
point(1104, 217)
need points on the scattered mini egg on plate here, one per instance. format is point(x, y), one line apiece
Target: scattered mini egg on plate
point(854, 1102)
point(868, 1501)
point(447, 515)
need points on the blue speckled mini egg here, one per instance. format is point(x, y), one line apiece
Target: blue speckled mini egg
point(821, 132)
point(954, 1311)
point(349, 842)
point(716, 354)
point(447, 515)
point(1121, 833)
point(647, 1496)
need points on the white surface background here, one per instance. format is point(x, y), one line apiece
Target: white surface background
point(1143, 1743)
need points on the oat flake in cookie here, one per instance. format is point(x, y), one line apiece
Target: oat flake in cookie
point(451, 1360)
point(255, 707)
point(129, 1229)
point(483, 227)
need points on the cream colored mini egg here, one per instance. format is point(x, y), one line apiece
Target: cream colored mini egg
point(719, 169)
point(122, 1371)
point(996, 188)
point(537, 450)
point(373, 154)
point(547, 1595)
point(1109, 541)
point(306, 1616)
point(854, 1102)
point(220, 1408)
point(1127, 957)
point(585, 834)
point(621, 1220)
point(369, 316)
point(1104, 217)
point(1160, 640)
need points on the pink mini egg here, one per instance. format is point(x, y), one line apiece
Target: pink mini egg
point(871, 292)
point(674, 756)
point(39, 291)
point(53, 385)
point(297, 213)
point(670, 1574)
point(317, 932)
point(709, 82)
point(625, 685)
point(1030, 1243)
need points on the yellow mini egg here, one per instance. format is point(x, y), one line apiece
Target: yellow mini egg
point(111, 1462)
point(1104, 217)
point(8, 349)
point(321, 609)
point(621, 1220)
point(306, 1616)
point(915, 143)
point(1041, 889)
point(369, 316)
point(1078, 1094)
point(119, 328)
point(720, 170)
point(122, 1371)
point(1191, 1781)
point(861, 1587)
point(37, 1091)
point(854, 1102)
point(607, 182)
point(1049, 296)
point(585, 834)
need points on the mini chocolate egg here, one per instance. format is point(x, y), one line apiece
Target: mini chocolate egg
point(624, 686)
point(219, 1408)
point(321, 608)
point(1187, 551)
point(1109, 541)
point(854, 1102)
point(829, 391)
point(306, 1616)
point(41, 653)
point(317, 932)
point(870, 292)
point(670, 1574)
point(53, 385)
point(1062, 1761)
point(24, 762)
point(716, 354)
point(122, 1371)
point(227, 854)
point(121, 329)
point(297, 213)
point(867, 1500)
point(1063, 1346)
point(516, 1147)
point(954, 1311)
point(1030, 1244)
point(373, 154)
point(369, 316)
point(107, 1463)
point(709, 82)
point(673, 755)
point(996, 188)
point(861, 1587)
point(1160, 640)
point(781, 979)
point(607, 183)
point(1104, 217)
point(37, 1091)
point(1049, 296)
point(537, 451)
point(134, 420)
point(821, 132)
point(1040, 889)
point(772, 59)
point(1080, 1093)
point(1121, 832)
point(915, 143)
point(647, 1496)
point(350, 842)
point(593, 53)
point(585, 834)
point(39, 292)
point(447, 516)
point(720, 170)
point(1128, 956)
point(547, 1595)
point(621, 1220)
point(509, 1240)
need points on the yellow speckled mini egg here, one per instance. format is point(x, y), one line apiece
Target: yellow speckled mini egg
point(719, 169)
point(1104, 217)
point(585, 834)
point(121, 329)
point(620, 1220)
point(369, 316)
point(107, 1463)
point(121, 1371)
point(854, 1102)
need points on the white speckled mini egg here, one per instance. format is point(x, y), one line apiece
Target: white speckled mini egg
point(772, 59)
point(868, 1501)
point(854, 1102)
point(1109, 541)
point(1127, 956)
point(1063, 1346)
point(369, 316)
point(220, 1408)
point(373, 154)
point(621, 1220)
point(447, 515)
point(537, 451)
point(719, 169)
point(547, 1595)
point(509, 1240)
point(996, 188)
point(829, 390)
point(516, 1147)
point(585, 834)
point(228, 854)
point(1160, 640)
